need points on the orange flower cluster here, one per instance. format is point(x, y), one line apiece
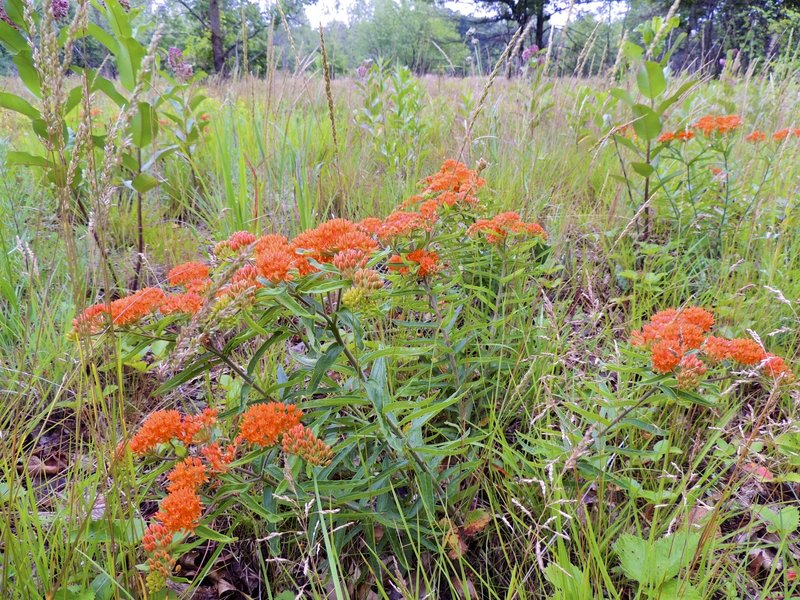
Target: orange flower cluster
point(276, 259)
point(345, 244)
point(675, 337)
point(139, 304)
point(709, 125)
point(427, 262)
point(748, 352)
point(124, 311)
point(188, 274)
point(301, 441)
point(217, 458)
point(499, 227)
point(242, 283)
point(189, 473)
point(263, 424)
point(455, 177)
point(690, 371)
point(683, 135)
point(236, 242)
point(778, 136)
point(189, 303)
point(181, 508)
point(331, 237)
point(400, 223)
point(721, 125)
point(368, 279)
point(163, 426)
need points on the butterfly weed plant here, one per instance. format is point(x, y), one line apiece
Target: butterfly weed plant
point(313, 330)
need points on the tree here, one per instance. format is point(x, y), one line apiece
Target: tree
point(715, 28)
point(520, 12)
point(214, 31)
point(416, 34)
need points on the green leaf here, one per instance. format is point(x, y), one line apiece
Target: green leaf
point(74, 97)
point(568, 581)
point(196, 101)
point(788, 444)
point(25, 159)
point(678, 590)
point(650, 80)
point(209, 534)
point(623, 95)
point(16, 12)
point(27, 72)
point(653, 563)
point(144, 182)
point(643, 169)
point(782, 522)
point(324, 363)
point(98, 82)
point(646, 123)
point(632, 51)
point(20, 105)
point(12, 39)
point(144, 125)
point(117, 19)
point(676, 96)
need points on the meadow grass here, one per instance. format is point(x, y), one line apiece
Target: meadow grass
point(552, 364)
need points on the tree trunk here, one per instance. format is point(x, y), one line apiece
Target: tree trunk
point(216, 35)
point(540, 25)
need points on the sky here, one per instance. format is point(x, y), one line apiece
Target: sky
point(325, 11)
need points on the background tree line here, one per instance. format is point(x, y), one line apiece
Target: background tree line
point(234, 36)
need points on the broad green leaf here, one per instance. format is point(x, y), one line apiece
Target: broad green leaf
point(788, 444)
point(12, 39)
point(15, 9)
point(646, 122)
point(74, 97)
point(782, 522)
point(20, 105)
point(102, 36)
point(117, 19)
point(632, 51)
point(324, 363)
point(27, 72)
point(144, 125)
point(643, 169)
point(569, 582)
point(650, 80)
point(144, 182)
point(653, 563)
point(676, 96)
point(623, 95)
point(25, 159)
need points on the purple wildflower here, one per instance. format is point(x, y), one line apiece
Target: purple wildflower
point(60, 9)
point(529, 53)
point(176, 62)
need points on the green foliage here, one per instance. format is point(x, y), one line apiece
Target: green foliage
point(656, 564)
point(513, 474)
point(391, 116)
point(412, 33)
